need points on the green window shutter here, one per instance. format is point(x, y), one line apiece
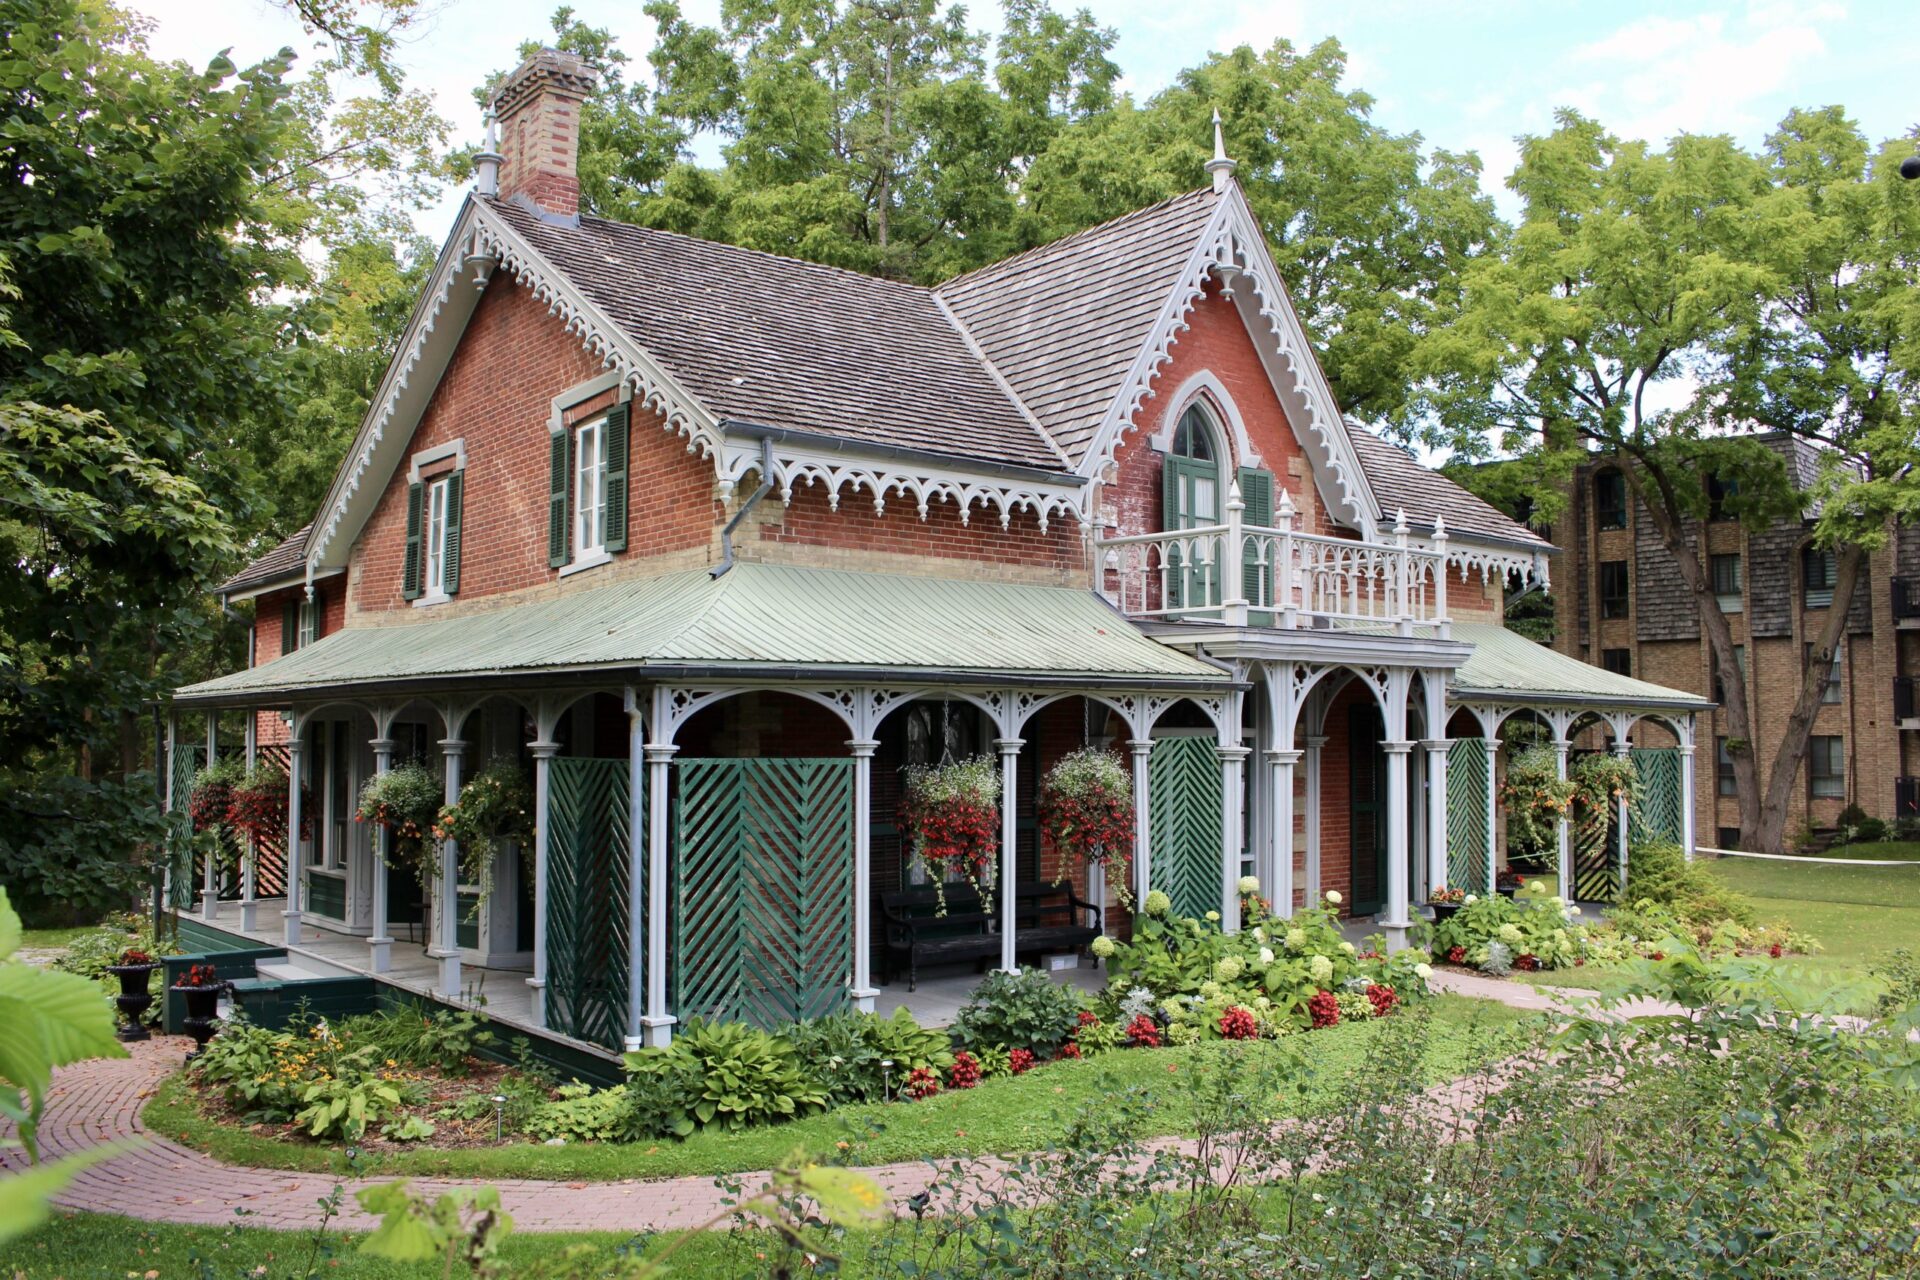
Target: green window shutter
point(410, 572)
point(617, 428)
point(317, 616)
point(456, 484)
point(1256, 579)
point(290, 626)
point(559, 545)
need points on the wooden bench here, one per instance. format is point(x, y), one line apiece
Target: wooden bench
point(1047, 918)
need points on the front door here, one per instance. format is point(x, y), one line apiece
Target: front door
point(1367, 765)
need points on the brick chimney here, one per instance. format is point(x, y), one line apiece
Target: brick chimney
point(537, 108)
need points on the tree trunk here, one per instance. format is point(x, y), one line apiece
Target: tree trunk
point(1785, 771)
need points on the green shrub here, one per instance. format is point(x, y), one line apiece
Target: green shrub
point(342, 1106)
point(1871, 831)
point(844, 1052)
point(584, 1114)
point(444, 1039)
point(722, 1075)
point(261, 1074)
point(1901, 972)
point(1659, 873)
point(1496, 931)
point(1024, 1010)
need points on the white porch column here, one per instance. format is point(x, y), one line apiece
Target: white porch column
point(1492, 747)
point(1233, 821)
point(543, 754)
point(656, 1026)
point(1437, 870)
point(1313, 753)
point(1687, 836)
point(210, 875)
point(863, 992)
point(1007, 878)
point(379, 945)
point(1280, 874)
point(249, 886)
point(1398, 852)
point(639, 843)
point(1564, 828)
point(296, 872)
point(1142, 830)
point(1622, 748)
point(447, 909)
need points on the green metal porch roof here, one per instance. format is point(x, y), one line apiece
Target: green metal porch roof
point(754, 618)
point(1508, 667)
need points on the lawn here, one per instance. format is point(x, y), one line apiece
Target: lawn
point(52, 939)
point(1857, 913)
point(1878, 851)
point(1024, 1113)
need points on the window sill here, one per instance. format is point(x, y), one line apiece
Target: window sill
point(585, 561)
point(427, 602)
point(1732, 604)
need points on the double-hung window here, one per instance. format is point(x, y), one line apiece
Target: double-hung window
point(1614, 587)
point(436, 537)
point(1826, 766)
point(1723, 767)
point(431, 570)
point(590, 491)
point(1818, 569)
point(1610, 499)
point(1726, 583)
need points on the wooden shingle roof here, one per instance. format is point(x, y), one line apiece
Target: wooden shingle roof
point(283, 562)
point(1400, 483)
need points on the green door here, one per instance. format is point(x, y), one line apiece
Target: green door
point(1183, 815)
point(586, 992)
point(762, 889)
point(1368, 826)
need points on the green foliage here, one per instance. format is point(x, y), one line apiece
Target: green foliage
point(495, 805)
point(722, 1074)
point(72, 850)
point(582, 1113)
point(1535, 798)
point(844, 1052)
point(1901, 973)
point(1024, 1010)
point(443, 1039)
point(1658, 872)
point(405, 800)
point(1528, 924)
point(91, 953)
point(342, 1106)
point(261, 1074)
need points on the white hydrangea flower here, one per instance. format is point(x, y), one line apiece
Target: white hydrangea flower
point(1157, 903)
point(1259, 933)
point(1510, 934)
point(1249, 884)
point(1347, 947)
point(1213, 917)
point(1320, 968)
point(1266, 956)
point(1423, 971)
point(1574, 911)
point(1102, 946)
point(1228, 969)
point(1296, 939)
point(1470, 899)
point(1333, 896)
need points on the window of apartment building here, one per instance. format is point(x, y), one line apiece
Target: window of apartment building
point(1618, 661)
point(1729, 837)
point(1830, 691)
point(1723, 767)
point(1826, 766)
point(1718, 492)
point(1613, 588)
point(1610, 499)
point(1726, 582)
point(1818, 569)
point(1740, 661)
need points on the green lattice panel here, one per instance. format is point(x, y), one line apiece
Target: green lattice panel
point(587, 956)
point(1657, 811)
point(763, 889)
point(183, 880)
point(1183, 811)
point(1467, 864)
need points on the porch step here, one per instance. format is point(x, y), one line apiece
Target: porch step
point(290, 970)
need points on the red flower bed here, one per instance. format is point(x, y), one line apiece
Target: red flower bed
point(1456, 955)
point(1069, 1050)
point(922, 1082)
point(1323, 1009)
point(1143, 1032)
point(1384, 999)
point(1526, 961)
point(1238, 1024)
point(1020, 1061)
point(965, 1072)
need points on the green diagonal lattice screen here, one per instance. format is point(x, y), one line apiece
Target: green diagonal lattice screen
point(587, 956)
point(1468, 866)
point(1183, 812)
point(183, 878)
point(1657, 815)
point(763, 889)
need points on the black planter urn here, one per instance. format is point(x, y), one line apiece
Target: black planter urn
point(1444, 910)
point(203, 1014)
point(135, 998)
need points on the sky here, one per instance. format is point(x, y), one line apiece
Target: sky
point(1465, 74)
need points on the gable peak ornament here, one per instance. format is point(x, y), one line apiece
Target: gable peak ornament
point(1220, 167)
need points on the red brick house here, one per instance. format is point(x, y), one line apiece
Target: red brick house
point(717, 542)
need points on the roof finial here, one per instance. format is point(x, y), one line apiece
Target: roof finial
point(1220, 167)
point(486, 162)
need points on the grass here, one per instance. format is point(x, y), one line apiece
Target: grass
point(97, 1246)
point(1879, 851)
point(1025, 1113)
point(52, 939)
point(1857, 913)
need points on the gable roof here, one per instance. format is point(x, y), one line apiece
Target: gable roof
point(778, 342)
point(1065, 322)
point(1402, 484)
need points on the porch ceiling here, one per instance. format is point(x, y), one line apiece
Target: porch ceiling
point(819, 622)
point(1507, 667)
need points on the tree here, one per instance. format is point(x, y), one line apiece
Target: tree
point(1659, 309)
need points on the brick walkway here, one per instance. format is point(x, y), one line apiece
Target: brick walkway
point(160, 1180)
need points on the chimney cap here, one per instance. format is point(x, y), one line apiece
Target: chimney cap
point(547, 71)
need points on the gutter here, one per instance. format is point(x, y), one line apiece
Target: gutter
point(753, 500)
point(903, 453)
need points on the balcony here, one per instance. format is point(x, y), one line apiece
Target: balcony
point(1273, 576)
point(1906, 797)
point(1906, 603)
point(1906, 702)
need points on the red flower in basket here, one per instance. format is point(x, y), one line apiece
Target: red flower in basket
point(1238, 1024)
point(133, 955)
point(965, 1072)
point(199, 975)
point(1323, 1009)
point(1143, 1032)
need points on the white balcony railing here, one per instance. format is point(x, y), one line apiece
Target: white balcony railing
point(1259, 575)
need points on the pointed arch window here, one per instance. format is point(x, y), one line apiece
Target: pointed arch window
point(1192, 476)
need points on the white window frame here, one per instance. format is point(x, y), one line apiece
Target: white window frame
point(433, 539)
point(590, 491)
point(305, 622)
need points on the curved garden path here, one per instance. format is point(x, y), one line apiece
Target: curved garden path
point(160, 1180)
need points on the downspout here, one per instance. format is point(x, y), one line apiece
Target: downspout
point(753, 500)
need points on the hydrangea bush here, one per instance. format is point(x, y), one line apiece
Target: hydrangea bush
point(1535, 929)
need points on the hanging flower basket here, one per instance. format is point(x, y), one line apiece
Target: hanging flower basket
point(495, 806)
point(211, 799)
point(257, 807)
point(405, 801)
point(950, 814)
point(1086, 810)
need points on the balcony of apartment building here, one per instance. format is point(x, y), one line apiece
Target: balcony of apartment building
point(1906, 702)
point(1906, 603)
point(1906, 797)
